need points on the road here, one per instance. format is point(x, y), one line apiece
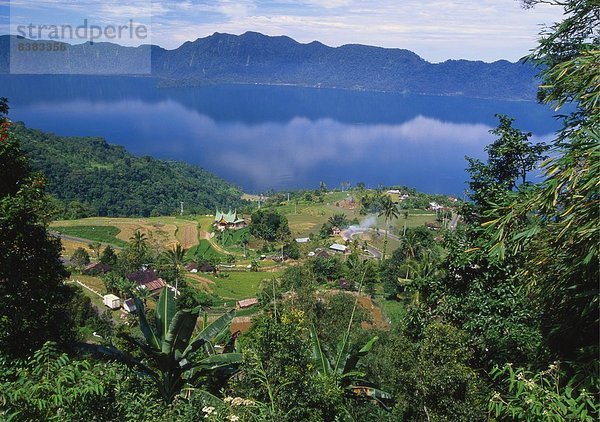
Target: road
point(349, 234)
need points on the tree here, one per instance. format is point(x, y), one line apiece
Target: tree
point(268, 224)
point(139, 243)
point(108, 256)
point(136, 253)
point(244, 240)
point(277, 354)
point(388, 211)
point(80, 257)
point(173, 353)
point(558, 234)
point(32, 293)
point(95, 247)
point(429, 378)
point(174, 260)
point(510, 159)
point(512, 156)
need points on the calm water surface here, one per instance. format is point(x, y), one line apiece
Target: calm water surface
point(265, 137)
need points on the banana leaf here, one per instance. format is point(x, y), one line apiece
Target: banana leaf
point(209, 332)
point(179, 332)
point(144, 326)
point(165, 311)
point(320, 360)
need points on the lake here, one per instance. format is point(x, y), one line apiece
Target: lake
point(277, 137)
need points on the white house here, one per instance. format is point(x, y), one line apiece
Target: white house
point(112, 301)
point(435, 206)
point(129, 306)
point(302, 240)
point(339, 248)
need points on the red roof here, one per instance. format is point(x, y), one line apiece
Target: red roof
point(155, 285)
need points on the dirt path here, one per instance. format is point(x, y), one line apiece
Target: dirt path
point(200, 279)
point(220, 249)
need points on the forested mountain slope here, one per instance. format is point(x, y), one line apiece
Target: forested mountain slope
point(108, 181)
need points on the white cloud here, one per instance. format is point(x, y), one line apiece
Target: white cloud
point(435, 29)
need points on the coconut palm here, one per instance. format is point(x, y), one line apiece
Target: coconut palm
point(388, 211)
point(139, 242)
point(174, 260)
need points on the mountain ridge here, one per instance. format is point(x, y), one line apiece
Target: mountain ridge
point(254, 58)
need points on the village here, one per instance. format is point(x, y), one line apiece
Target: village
point(224, 262)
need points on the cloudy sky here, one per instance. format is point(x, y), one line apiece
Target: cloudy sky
point(435, 29)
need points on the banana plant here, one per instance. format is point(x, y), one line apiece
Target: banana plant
point(175, 357)
point(342, 368)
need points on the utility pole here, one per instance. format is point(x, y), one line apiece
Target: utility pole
point(181, 209)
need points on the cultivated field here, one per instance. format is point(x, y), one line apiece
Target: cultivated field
point(161, 231)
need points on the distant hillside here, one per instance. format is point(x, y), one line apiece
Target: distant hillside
point(253, 58)
point(108, 181)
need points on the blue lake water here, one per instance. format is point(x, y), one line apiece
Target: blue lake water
point(277, 137)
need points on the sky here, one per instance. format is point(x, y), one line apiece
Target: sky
point(437, 30)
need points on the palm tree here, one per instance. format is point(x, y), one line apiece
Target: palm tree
point(388, 211)
point(138, 248)
point(417, 273)
point(174, 259)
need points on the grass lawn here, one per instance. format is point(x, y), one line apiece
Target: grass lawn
point(394, 310)
point(105, 234)
point(239, 285)
point(205, 249)
point(95, 283)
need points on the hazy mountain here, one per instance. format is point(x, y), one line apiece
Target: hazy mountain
point(253, 58)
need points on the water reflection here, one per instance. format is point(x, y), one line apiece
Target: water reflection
point(265, 137)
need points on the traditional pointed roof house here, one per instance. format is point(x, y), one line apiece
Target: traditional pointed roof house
point(229, 220)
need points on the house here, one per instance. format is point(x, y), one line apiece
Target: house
point(339, 248)
point(129, 305)
point(229, 220)
point(112, 301)
point(435, 206)
point(147, 279)
point(96, 268)
point(302, 240)
point(206, 267)
point(335, 231)
point(246, 303)
point(155, 286)
point(143, 276)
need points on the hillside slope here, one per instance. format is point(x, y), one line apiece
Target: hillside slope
point(109, 181)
